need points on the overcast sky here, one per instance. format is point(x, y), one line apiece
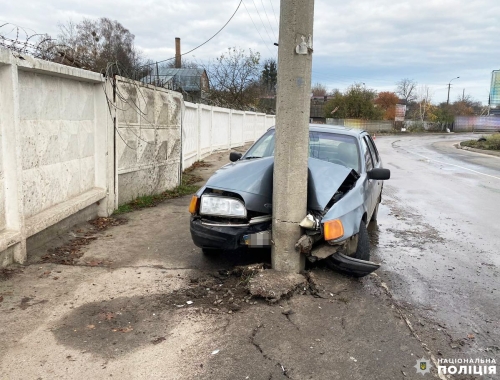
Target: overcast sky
point(376, 42)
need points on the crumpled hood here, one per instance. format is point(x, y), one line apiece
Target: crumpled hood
point(253, 180)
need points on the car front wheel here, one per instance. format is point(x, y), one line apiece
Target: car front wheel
point(363, 248)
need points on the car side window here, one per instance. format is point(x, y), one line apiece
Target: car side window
point(367, 155)
point(375, 150)
point(372, 151)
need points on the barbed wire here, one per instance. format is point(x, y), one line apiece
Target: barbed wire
point(41, 46)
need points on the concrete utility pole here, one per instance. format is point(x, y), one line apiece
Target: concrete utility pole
point(292, 132)
point(449, 86)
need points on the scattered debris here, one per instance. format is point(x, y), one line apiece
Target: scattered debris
point(158, 340)
point(6, 273)
point(1, 298)
point(69, 253)
point(215, 352)
point(102, 224)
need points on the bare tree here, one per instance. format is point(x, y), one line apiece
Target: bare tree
point(234, 79)
point(407, 88)
point(97, 43)
point(319, 89)
point(424, 99)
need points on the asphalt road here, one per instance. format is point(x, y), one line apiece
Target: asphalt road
point(438, 235)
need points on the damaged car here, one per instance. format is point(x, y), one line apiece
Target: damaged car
point(345, 181)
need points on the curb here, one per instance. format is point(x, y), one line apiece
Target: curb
point(483, 151)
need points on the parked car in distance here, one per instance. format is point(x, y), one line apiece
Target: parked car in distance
point(345, 181)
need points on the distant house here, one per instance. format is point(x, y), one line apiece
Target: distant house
point(192, 83)
point(317, 110)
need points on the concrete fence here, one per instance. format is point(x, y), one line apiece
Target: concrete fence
point(367, 125)
point(54, 158)
point(206, 129)
point(74, 146)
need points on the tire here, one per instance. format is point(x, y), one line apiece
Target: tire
point(375, 213)
point(363, 248)
point(209, 251)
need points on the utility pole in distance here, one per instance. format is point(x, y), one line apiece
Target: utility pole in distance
point(292, 132)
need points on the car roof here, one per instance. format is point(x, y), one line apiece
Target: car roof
point(334, 129)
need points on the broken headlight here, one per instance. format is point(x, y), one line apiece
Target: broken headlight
point(222, 206)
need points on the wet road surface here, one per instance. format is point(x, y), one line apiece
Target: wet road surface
point(438, 235)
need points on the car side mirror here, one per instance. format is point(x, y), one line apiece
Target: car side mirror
point(234, 156)
point(379, 174)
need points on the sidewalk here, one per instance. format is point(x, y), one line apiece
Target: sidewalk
point(144, 303)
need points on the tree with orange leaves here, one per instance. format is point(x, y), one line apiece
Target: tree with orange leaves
point(387, 101)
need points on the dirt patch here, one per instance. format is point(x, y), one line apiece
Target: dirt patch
point(196, 165)
point(72, 251)
point(102, 224)
point(117, 326)
point(6, 273)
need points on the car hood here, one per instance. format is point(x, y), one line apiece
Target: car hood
point(253, 180)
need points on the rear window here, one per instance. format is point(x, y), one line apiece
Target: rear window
point(331, 147)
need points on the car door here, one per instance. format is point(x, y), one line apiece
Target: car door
point(370, 184)
point(377, 163)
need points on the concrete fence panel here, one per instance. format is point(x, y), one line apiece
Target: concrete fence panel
point(221, 128)
point(54, 157)
point(190, 135)
point(205, 131)
point(148, 142)
point(237, 125)
point(249, 133)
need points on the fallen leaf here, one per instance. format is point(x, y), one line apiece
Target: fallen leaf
point(158, 340)
point(1, 298)
point(91, 327)
point(470, 336)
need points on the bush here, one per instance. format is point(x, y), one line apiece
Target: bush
point(491, 142)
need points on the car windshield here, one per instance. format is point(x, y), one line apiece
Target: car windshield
point(331, 147)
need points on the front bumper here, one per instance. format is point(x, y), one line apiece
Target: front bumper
point(352, 266)
point(211, 235)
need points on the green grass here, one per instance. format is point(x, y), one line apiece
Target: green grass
point(187, 187)
point(492, 143)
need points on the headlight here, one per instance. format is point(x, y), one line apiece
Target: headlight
point(222, 206)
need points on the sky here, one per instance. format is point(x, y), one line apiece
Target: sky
point(375, 42)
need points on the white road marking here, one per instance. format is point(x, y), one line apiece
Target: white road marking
point(446, 163)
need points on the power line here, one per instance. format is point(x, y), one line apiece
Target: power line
point(276, 18)
point(269, 21)
point(265, 43)
point(220, 30)
point(262, 22)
